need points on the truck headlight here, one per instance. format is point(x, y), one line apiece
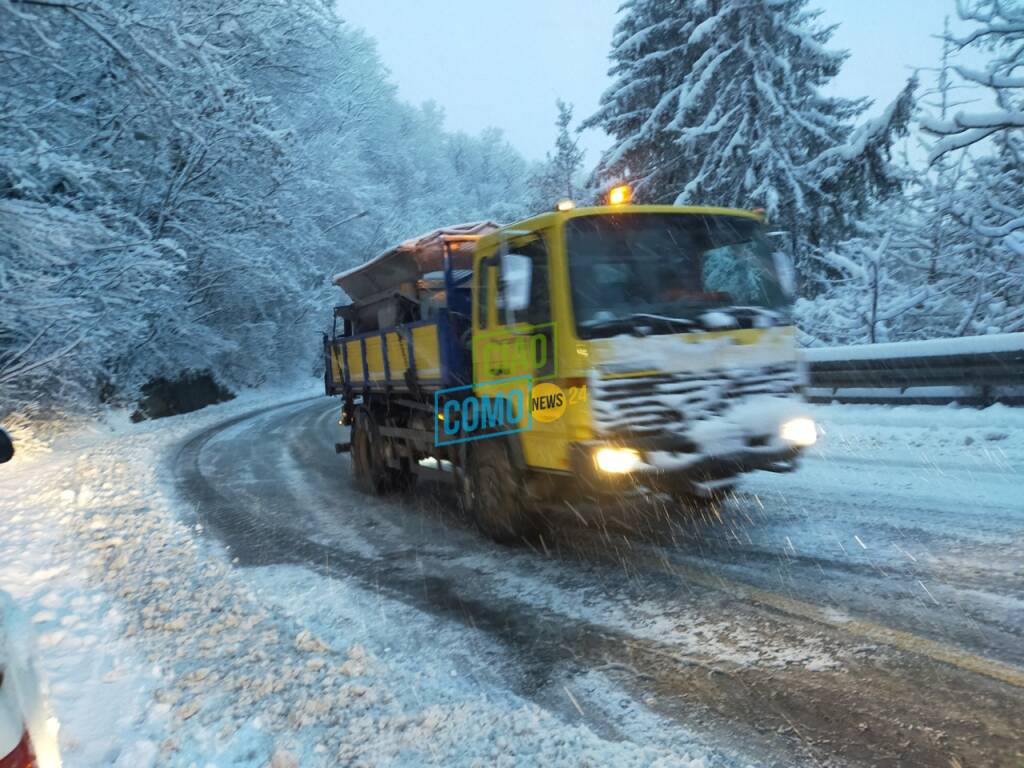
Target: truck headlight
point(800, 431)
point(617, 461)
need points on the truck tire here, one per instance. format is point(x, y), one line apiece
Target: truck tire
point(493, 495)
point(370, 473)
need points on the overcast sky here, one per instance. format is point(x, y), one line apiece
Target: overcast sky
point(503, 63)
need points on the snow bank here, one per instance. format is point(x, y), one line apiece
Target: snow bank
point(73, 517)
point(938, 418)
point(990, 439)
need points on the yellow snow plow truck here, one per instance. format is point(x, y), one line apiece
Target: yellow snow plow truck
point(582, 353)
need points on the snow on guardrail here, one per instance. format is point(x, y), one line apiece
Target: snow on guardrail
point(978, 370)
point(965, 345)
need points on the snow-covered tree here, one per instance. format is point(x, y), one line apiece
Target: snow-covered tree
point(861, 299)
point(999, 29)
point(934, 261)
point(721, 102)
point(178, 181)
point(889, 283)
point(991, 203)
point(559, 175)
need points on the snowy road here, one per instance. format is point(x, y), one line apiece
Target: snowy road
point(868, 610)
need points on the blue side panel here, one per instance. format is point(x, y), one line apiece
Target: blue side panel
point(460, 299)
point(457, 289)
point(455, 363)
point(384, 357)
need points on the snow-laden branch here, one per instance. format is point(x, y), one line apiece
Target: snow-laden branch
point(966, 129)
point(989, 79)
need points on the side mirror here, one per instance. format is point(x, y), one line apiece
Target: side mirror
point(785, 272)
point(516, 275)
point(782, 260)
point(6, 447)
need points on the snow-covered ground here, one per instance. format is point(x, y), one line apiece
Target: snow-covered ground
point(159, 652)
point(987, 439)
point(75, 515)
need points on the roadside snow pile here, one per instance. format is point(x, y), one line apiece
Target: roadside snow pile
point(98, 682)
point(56, 506)
point(991, 438)
point(161, 654)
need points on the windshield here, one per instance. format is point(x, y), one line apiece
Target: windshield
point(673, 265)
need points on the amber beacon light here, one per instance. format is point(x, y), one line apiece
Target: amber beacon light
point(620, 195)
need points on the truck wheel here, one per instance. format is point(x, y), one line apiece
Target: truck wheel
point(368, 469)
point(493, 494)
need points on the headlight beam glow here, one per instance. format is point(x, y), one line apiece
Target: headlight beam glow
point(800, 431)
point(617, 461)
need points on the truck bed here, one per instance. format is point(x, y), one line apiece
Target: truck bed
point(421, 356)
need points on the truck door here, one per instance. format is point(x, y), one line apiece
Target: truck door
point(519, 341)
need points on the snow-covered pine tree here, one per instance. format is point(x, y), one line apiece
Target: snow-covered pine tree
point(935, 246)
point(559, 176)
point(945, 271)
point(991, 203)
point(721, 102)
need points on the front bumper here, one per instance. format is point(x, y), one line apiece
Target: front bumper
point(678, 467)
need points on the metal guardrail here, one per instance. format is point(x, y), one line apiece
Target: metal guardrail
point(979, 371)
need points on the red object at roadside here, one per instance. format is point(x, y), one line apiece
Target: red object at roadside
point(21, 757)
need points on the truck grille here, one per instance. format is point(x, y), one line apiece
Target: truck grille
point(669, 402)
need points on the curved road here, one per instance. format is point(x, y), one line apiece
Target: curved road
point(849, 614)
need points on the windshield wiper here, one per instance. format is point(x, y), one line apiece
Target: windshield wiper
point(748, 316)
point(638, 320)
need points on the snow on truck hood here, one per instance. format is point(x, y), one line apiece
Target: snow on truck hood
point(693, 352)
